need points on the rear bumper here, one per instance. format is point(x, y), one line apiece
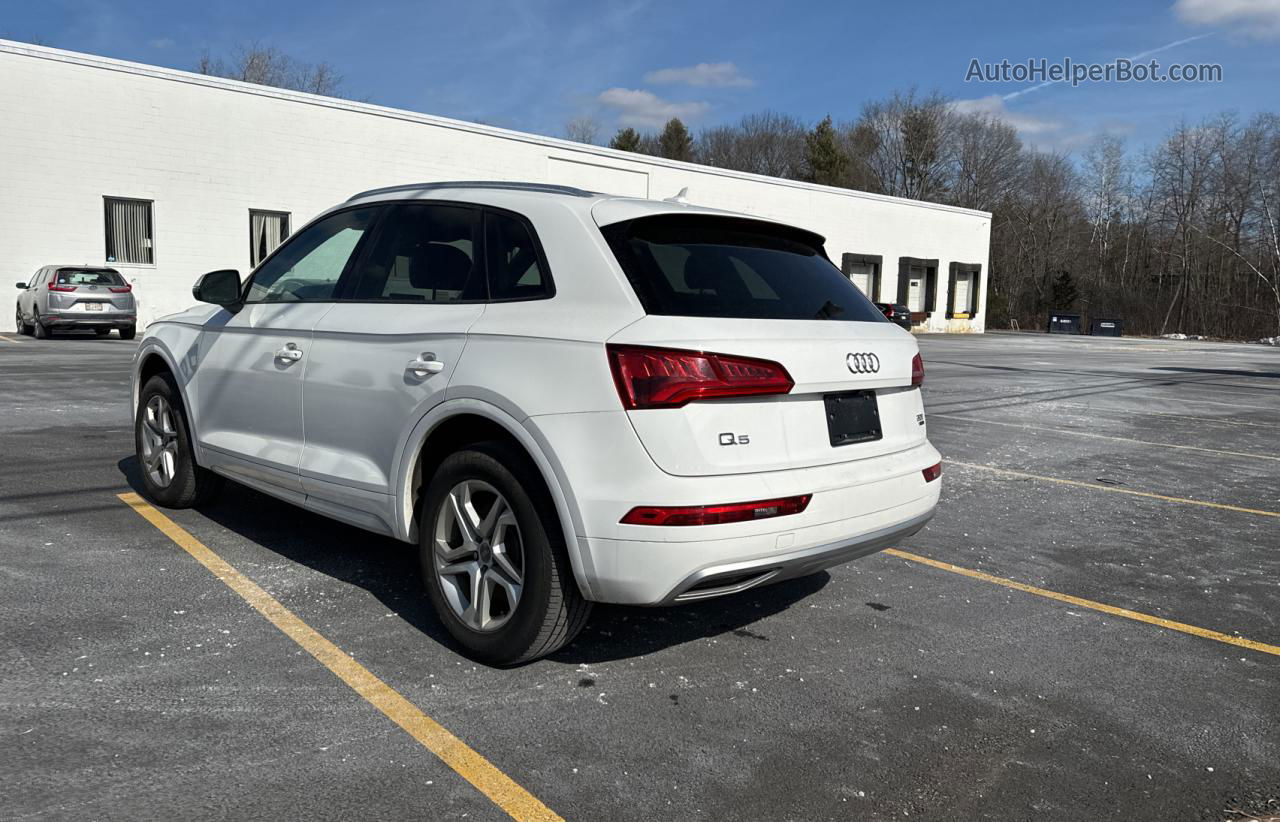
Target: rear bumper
point(85, 319)
point(857, 507)
point(731, 578)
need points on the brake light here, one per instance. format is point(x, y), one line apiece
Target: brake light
point(932, 472)
point(888, 312)
point(716, 514)
point(917, 370)
point(55, 287)
point(649, 377)
point(125, 289)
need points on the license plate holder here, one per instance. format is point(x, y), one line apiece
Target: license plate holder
point(93, 306)
point(852, 417)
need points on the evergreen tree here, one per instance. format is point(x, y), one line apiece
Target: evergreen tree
point(627, 139)
point(825, 162)
point(675, 142)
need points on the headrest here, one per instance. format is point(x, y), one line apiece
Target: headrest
point(705, 272)
point(440, 267)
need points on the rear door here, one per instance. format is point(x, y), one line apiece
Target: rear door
point(751, 289)
point(386, 352)
point(251, 363)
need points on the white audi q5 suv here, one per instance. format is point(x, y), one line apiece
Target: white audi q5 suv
point(560, 397)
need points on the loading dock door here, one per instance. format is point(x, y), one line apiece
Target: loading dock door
point(915, 289)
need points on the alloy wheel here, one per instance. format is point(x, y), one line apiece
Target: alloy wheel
point(478, 555)
point(159, 441)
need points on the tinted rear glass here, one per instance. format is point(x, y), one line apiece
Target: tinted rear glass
point(74, 276)
point(706, 266)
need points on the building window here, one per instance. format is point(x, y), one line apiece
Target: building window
point(267, 230)
point(917, 284)
point(128, 230)
point(864, 271)
point(965, 281)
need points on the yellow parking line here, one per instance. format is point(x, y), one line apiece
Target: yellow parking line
point(1110, 437)
point(455, 753)
point(1099, 487)
point(1204, 633)
point(7, 339)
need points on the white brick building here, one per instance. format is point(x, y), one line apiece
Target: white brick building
point(161, 170)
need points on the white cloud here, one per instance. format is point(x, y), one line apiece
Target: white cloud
point(994, 105)
point(1254, 18)
point(644, 109)
point(161, 43)
point(703, 74)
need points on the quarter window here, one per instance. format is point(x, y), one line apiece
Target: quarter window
point(422, 254)
point(514, 264)
point(267, 230)
point(309, 265)
point(129, 231)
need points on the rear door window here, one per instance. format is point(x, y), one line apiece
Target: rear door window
point(516, 267)
point(72, 276)
point(422, 254)
point(709, 266)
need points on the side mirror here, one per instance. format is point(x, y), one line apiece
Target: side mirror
point(23, 286)
point(220, 287)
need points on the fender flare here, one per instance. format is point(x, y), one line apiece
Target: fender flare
point(151, 346)
point(550, 469)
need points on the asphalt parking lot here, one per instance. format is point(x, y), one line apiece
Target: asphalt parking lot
point(1133, 474)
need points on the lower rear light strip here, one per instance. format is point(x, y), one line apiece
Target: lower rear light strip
point(716, 514)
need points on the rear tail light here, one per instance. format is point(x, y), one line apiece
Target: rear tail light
point(669, 378)
point(124, 289)
point(932, 472)
point(716, 514)
point(55, 287)
point(917, 370)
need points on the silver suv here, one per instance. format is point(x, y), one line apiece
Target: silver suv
point(64, 297)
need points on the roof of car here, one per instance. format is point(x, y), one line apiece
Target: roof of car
point(606, 209)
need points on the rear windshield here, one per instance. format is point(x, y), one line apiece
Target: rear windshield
point(707, 266)
point(86, 276)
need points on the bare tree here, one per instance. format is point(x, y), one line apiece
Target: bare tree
point(582, 130)
point(912, 152)
point(268, 66)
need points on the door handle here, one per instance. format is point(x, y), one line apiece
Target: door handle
point(289, 353)
point(425, 365)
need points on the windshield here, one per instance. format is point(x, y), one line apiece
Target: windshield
point(97, 276)
point(708, 266)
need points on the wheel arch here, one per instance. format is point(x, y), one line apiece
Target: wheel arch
point(457, 423)
point(154, 359)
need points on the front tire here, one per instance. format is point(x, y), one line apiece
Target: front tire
point(163, 443)
point(493, 557)
point(23, 328)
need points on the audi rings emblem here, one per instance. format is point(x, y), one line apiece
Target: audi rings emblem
point(863, 363)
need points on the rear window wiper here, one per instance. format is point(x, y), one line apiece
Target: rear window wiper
point(828, 310)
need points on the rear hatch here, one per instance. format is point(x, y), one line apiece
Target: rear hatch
point(812, 373)
point(91, 290)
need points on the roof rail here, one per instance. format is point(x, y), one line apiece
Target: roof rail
point(546, 188)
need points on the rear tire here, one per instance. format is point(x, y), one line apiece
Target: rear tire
point(128, 332)
point(162, 442)
point(549, 610)
point(38, 330)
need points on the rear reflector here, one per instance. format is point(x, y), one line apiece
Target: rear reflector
point(932, 472)
point(716, 514)
point(124, 289)
point(55, 287)
point(669, 378)
point(917, 370)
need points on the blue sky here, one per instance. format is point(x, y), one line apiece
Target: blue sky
point(533, 65)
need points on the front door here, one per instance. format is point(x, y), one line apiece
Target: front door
point(386, 352)
point(248, 384)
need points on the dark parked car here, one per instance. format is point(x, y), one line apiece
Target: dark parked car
point(896, 313)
